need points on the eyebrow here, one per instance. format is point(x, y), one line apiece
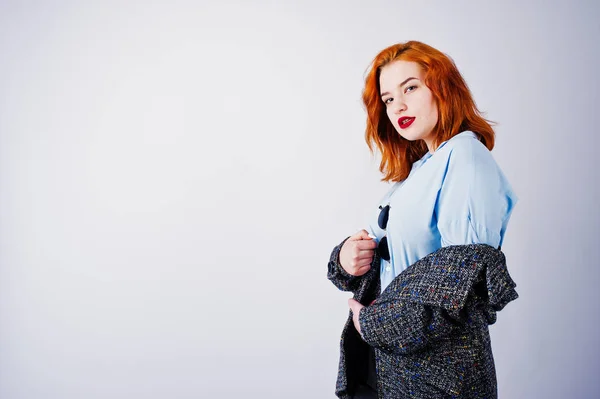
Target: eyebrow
point(400, 85)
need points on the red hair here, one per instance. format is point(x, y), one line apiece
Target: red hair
point(457, 111)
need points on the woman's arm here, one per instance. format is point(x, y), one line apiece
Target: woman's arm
point(475, 200)
point(350, 261)
point(336, 273)
point(404, 327)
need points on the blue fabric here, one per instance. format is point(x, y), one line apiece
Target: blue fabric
point(457, 195)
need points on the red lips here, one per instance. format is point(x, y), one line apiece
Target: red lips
point(405, 121)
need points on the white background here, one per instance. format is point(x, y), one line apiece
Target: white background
point(173, 176)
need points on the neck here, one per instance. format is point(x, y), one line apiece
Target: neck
point(430, 146)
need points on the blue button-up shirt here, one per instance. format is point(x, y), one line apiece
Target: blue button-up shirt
point(457, 195)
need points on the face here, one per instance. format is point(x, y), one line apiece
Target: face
point(410, 105)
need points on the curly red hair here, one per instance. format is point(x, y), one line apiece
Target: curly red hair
point(457, 111)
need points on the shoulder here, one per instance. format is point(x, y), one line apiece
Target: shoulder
point(465, 149)
point(467, 144)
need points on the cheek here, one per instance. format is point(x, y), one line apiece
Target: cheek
point(390, 117)
point(433, 111)
point(434, 114)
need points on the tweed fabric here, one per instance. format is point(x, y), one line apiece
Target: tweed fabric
point(429, 327)
point(354, 351)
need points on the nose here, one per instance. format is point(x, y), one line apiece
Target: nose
point(400, 106)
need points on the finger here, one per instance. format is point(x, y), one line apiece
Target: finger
point(358, 262)
point(363, 258)
point(363, 263)
point(361, 235)
point(365, 254)
point(366, 244)
point(362, 270)
point(355, 305)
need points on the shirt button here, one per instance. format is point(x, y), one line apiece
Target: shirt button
point(388, 268)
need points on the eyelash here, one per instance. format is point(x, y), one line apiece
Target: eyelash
point(409, 87)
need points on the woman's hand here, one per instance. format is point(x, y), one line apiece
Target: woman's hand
point(357, 253)
point(355, 306)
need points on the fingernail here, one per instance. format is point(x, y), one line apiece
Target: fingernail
point(372, 236)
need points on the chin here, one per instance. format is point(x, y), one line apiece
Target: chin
point(409, 137)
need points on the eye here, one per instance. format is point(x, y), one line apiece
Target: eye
point(387, 100)
point(410, 88)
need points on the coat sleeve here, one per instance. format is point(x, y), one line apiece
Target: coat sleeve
point(403, 327)
point(338, 276)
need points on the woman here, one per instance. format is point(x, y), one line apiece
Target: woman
point(428, 274)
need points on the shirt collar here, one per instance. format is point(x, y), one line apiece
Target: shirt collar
point(428, 154)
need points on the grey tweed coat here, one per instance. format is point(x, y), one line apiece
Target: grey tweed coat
point(429, 328)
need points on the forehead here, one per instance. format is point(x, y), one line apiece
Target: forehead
point(397, 72)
